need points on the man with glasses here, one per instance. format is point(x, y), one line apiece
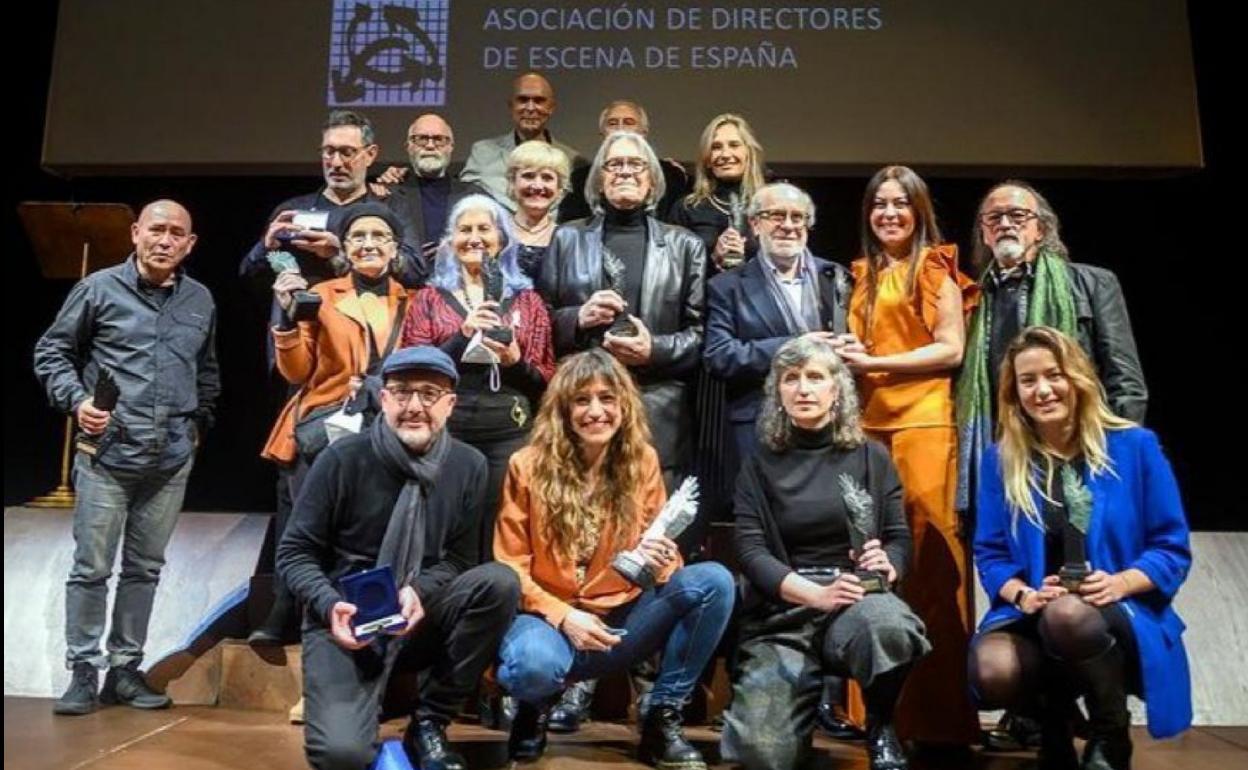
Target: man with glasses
point(1029, 280)
point(403, 493)
point(532, 104)
point(428, 193)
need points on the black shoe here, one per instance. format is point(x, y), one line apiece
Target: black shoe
point(1014, 732)
point(126, 685)
point(425, 744)
point(663, 743)
point(82, 696)
point(496, 711)
point(527, 741)
point(265, 637)
point(835, 727)
point(1111, 752)
point(884, 750)
point(572, 708)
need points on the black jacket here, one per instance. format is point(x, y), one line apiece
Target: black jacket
point(671, 306)
point(344, 506)
point(1105, 334)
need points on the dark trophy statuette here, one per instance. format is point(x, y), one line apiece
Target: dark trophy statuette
point(1076, 568)
point(863, 526)
point(613, 275)
point(492, 272)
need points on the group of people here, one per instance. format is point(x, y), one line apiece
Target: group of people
point(496, 381)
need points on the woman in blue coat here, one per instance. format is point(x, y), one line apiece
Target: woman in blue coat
point(1082, 544)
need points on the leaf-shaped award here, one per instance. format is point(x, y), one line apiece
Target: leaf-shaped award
point(863, 526)
point(1078, 499)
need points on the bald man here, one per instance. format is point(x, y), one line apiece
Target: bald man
point(151, 328)
point(428, 193)
point(532, 104)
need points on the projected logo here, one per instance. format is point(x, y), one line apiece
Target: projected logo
point(388, 53)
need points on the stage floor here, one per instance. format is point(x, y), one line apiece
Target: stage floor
point(208, 738)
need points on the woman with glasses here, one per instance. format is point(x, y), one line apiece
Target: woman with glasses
point(537, 179)
point(585, 488)
point(729, 171)
point(633, 285)
point(357, 322)
point(907, 311)
point(1081, 544)
point(481, 310)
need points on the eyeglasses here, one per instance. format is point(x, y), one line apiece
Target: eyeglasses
point(347, 153)
point(1017, 217)
point(428, 396)
point(437, 140)
point(778, 217)
point(359, 239)
point(626, 165)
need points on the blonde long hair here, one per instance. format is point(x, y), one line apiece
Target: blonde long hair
point(560, 474)
point(1024, 461)
point(704, 182)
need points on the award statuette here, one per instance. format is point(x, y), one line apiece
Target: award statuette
point(105, 399)
point(1079, 512)
point(376, 601)
point(492, 273)
point(305, 305)
point(863, 526)
point(613, 276)
point(679, 513)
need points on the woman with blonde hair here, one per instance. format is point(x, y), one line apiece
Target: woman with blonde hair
point(586, 487)
point(1081, 544)
point(907, 312)
point(538, 178)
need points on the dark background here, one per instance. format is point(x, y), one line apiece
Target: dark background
point(1172, 240)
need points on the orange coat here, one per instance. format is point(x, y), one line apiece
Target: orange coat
point(323, 355)
point(548, 578)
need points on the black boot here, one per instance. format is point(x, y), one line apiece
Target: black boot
point(573, 707)
point(663, 743)
point(527, 741)
point(833, 726)
point(1109, 722)
point(82, 696)
point(883, 749)
point(425, 744)
point(1057, 742)
point(126, 685)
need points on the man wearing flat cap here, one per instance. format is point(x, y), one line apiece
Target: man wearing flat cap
point(403, 493)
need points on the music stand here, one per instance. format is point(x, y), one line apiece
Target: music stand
point(71, 240)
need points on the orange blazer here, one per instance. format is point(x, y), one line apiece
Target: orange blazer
point(548, 578)
point(323, 355)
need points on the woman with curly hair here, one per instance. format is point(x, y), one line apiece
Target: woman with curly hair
point(586, 487)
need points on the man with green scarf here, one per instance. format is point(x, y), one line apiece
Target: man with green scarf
point(1028, 280)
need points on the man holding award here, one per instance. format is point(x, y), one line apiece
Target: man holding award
point(632, 284)
point(132, 356)
point(380, 549)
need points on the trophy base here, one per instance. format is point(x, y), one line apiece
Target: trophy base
point(623, 328)
point(633, 570)
point(502, 335)
point(871, 581)
point(1071, 576)
point(386, 625)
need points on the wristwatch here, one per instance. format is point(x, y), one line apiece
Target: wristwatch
point(1022, 594)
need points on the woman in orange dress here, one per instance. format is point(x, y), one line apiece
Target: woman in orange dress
point(907, 311)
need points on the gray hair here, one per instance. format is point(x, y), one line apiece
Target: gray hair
point(593, 184)
point(1050, 226)
point(786, 190)
point(643, 119)
point(775, 427)
point(349, 119)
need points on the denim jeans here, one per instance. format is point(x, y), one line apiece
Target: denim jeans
point(686, 617)
point(142, 505)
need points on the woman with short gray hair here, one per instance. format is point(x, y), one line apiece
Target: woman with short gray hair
point(822, 540)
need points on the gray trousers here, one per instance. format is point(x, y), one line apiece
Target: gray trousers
point(143, 506)
point(781, 662)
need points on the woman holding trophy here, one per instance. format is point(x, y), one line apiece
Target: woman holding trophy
point(822, 539)
point(583, 507)
point(1081, 543)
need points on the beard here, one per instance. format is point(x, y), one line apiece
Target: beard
point(430, 164)
point(416, 438)
point(1007, 252)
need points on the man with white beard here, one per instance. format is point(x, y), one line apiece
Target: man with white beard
point(428, 193)
point(1028, 280)
point(403, 493)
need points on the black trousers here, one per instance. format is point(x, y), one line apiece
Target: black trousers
point(452, 646)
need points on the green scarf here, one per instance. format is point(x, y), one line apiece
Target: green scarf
point(1051, 302)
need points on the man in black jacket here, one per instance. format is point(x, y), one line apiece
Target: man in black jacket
point(405, 494)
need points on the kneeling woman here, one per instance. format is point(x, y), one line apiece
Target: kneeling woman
point(1071, 485)
point(586, 487)
point(815, 479)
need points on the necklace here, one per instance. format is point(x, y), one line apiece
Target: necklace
point(539, 227)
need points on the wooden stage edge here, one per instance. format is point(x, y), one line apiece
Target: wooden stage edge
point(215, 738)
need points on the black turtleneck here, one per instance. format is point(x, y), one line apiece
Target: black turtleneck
point(808, 505)
point(624, 235)
point(363, 284)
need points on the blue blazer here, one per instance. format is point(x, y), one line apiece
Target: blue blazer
point(745, 327)
point(1137, 521)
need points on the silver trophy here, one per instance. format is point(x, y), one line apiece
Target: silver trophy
point(676, 516)
point(613, 275)
point(863, 526)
